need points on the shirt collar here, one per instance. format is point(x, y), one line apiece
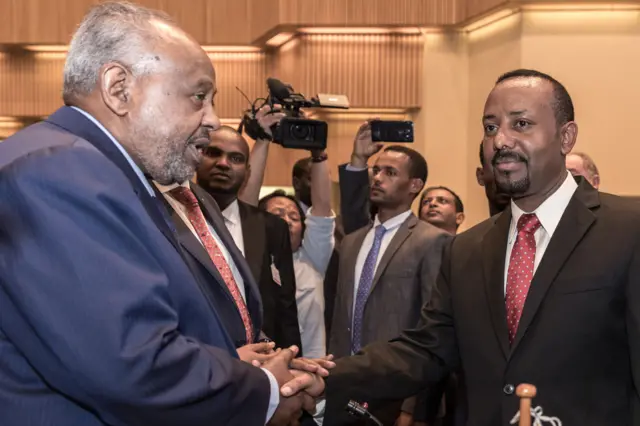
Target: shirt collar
point(394, 222)
point(232, 213)
point(124, 152)
point(305, 208)
point(551, 210)
point(166, 188)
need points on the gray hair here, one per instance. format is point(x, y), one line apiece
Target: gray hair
point(589, 164)
point(116, 31)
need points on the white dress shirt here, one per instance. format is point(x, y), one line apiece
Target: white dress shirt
point(310, 263)
point(181, 210)
point(549, 214)
point(234, 224)
point(391, 225)
point(274, 396)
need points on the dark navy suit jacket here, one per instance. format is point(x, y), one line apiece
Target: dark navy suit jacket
point(101, 321)
point(206, 272)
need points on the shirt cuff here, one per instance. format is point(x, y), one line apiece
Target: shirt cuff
point(350, 168)
point(327, 219)
point(318, 417)
point(274, 398)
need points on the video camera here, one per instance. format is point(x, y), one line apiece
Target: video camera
point(295, 130)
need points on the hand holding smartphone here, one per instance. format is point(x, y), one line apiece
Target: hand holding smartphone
point(392, 131)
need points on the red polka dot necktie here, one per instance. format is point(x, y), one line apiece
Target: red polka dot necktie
point(520, 272)
point(188, 199)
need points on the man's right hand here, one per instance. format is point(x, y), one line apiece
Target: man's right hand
point(290, 408)
point(297, 382)
point(257, 353)
point(363, 147)
point(267, 116)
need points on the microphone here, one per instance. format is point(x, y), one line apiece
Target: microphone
point(278, 89)
point(361, 411)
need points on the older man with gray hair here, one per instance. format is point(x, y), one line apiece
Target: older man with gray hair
point(101, 321)
point(580, 164)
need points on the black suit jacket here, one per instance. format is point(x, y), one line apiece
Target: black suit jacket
point(578, 339)
point(266, 242)
point(206, 272)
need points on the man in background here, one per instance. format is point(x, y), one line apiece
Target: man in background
point(442, 208)
point(388, 267)
point(580, 164)
point(262, 238)
point(498, 201)
point(301, 182)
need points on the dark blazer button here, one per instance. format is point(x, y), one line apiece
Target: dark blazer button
point(508, 389)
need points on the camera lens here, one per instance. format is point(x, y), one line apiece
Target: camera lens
point(300, 131)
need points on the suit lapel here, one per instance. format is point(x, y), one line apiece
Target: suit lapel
point(352, 259)
point(254, 237)
point(574, 224)
point(76, 123)
point(401, 235)
point(214, 216)
point(494, 250)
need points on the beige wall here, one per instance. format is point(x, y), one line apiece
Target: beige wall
point(595, 54)
point(597, 57)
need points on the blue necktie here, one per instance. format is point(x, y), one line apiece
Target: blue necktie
point(364, 287)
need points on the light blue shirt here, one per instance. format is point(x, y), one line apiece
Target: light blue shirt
point(124, 152)
point(274, 398)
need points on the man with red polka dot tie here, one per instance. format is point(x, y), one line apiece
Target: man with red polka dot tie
point(546, 292)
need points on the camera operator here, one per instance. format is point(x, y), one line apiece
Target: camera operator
point(312, 242)
point(266, 117)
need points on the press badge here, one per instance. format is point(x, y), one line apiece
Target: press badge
point(275, 274)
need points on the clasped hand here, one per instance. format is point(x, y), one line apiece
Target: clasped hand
point(300, 381)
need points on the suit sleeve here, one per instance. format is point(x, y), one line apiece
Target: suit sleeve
point(427, 404)
point(87, 302)
point(419, 359)
point(287, 308)
point(633, 314)
point(354, 199)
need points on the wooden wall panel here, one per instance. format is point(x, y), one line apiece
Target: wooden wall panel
point(247, 71)
point(233, 22)
point(264, 17)
point(474, 8)
point(374, 71)
point(53, 21)
point(31, 84)
point(368, 12)
point(227, 22)
point(40, 21)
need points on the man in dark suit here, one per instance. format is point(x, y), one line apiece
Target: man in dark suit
point(538, 294)
point(498, 200)
point(388, 268)
point(101, 321)
point(262, 238)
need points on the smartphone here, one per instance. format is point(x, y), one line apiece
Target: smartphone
point(392, 131)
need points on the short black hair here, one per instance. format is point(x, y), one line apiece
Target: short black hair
point(562, 105)
point(417, 164)
point(262, 204)
point(456, 198)
point(301, 168)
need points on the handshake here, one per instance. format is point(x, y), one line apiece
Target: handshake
point(300, 379)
